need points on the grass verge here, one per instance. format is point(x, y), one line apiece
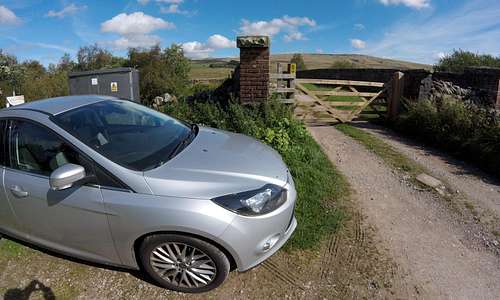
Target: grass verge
point(10, 249)
point(392, 157)
point(320, 186)
point(320, 189)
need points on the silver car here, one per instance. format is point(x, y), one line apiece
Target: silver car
point(114, 182)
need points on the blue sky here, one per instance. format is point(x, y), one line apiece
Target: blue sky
point(415, 30)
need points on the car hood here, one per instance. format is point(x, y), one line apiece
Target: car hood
point(218, 163)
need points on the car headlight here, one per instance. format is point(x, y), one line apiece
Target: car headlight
point(255, 202)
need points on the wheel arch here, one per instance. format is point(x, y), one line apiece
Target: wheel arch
point(230, 256)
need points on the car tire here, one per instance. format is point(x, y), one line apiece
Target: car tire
point(183, 263)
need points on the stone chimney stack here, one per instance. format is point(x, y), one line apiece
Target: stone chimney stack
point(254, 68)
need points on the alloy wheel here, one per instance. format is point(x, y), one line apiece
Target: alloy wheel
point(183, 265)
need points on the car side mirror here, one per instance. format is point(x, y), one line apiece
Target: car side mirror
point(66, 176)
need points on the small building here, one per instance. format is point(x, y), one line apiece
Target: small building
point(122, 83)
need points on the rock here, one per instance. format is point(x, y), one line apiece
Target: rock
point(429, 181)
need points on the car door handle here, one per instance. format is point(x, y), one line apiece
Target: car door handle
point(19, 192)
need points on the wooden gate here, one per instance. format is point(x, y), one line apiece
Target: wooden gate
point(339, 100)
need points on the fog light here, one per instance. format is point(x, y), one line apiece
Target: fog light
point(270, 242)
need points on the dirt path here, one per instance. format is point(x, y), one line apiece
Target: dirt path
point(435, 254)
point(480, 192)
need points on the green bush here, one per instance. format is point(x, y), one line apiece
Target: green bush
point(466, 130)
point(460, 59)
point(318, 184)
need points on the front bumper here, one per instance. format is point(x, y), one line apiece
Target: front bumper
point(255, 239)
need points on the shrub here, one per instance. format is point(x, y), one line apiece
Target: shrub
point(460, 59)
point(299, 61)
point(469, 131)
point(317, 181)
point(343, 64)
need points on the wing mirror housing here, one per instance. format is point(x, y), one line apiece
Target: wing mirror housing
point(66, 176)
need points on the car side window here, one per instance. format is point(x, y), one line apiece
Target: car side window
point(36, 149)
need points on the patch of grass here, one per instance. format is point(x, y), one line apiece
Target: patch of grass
point(202, 71)
point(10, 248)
point(382, 149)
point(320, 186)
point(344, 98)
point(66, 292)
point(317, 87)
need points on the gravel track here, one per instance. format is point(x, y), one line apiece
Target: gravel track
point(435, 254)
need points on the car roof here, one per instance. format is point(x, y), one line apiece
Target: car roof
point(54, 106)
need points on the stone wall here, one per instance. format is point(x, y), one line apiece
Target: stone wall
point(254, 68)
point(439, 90)
point(482, 82)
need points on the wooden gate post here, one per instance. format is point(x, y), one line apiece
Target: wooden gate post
point(395, 94)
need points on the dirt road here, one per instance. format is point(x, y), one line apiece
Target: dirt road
point(436, 254)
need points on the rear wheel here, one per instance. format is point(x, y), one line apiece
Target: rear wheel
point(183, 263)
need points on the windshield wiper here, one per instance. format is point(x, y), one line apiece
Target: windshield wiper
point(181, 145)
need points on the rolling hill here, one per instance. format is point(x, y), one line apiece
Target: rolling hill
point(218, 68)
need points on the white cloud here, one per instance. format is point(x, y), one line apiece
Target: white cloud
point(135, 29)
point(472, 26)
point(358, 44)
point(67, 10)
point(294, 36)
point(320, 51)
point(39, 45)
point(417, 4)
point(135, 41)
point(8, 17)
point(170, 1)
point(143, 2)
point(289, 25)
point(218, 41)
point(198, 50)
point(359, 26)
point(135, 23)
point(439, 55)
point(173, 9)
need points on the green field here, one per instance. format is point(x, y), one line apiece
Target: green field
point(204, 69)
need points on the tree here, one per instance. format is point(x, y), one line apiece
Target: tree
point(177, 67)
point(299, 61)
point(11, 74)
point(66, 64)
point(343, 64)
point(460, 59)
point(160, 71)
point(94, 57)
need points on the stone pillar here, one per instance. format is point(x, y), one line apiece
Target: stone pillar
point(254, 68)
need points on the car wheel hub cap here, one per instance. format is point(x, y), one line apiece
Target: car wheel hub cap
point(183, 265)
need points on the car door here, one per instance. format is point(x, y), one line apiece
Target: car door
point(74, 220)
point(8, 223)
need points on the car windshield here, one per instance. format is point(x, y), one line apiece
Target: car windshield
point(127, 133)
